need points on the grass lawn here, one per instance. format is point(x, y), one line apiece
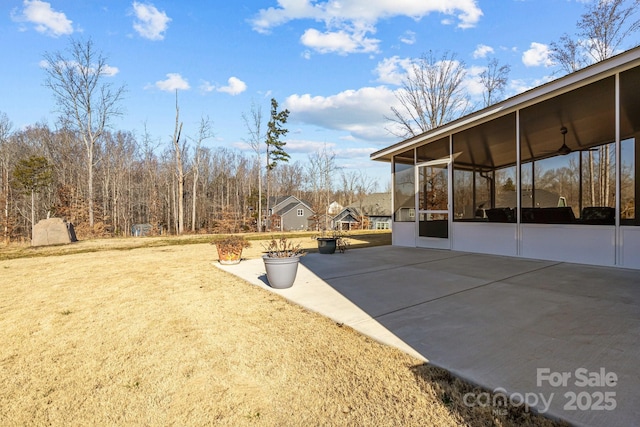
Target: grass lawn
point(141, 332)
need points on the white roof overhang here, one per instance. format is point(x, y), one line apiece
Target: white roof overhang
point(548, 91)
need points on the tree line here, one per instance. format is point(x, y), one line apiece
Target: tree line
point(43, 172)
point(104, 180)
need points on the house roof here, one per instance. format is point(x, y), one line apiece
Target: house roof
point(594, 122)
point(376, 204)
point(280, 206)
point(348, 214)
point(286, 208)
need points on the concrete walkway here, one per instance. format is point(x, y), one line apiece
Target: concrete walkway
point(563, 337)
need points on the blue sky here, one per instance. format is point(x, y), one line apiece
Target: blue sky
point(335, 64)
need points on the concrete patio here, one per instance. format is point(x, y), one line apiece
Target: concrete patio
point(554, 334)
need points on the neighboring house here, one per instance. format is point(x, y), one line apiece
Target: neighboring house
point(372, 213)
point(289, 214)
point(335, 208)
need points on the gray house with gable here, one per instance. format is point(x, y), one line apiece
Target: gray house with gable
point(289, 213)
point(371, 213)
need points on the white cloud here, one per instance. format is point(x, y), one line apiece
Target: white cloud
point(235, 86)
point(473, 85)
point(361, 112)
point(482, 50)
point(45, 19)
point(467, 11)
point(341, 42)
point(173, 82)
point(299, 146)
point(348, 23)
point(207, 87)
point(107, 70)
point(536, 55)
point(409, 37)
point(393, 70)
point(354, 152)
point(110, 71)
point(305, 146)
point(150, 22)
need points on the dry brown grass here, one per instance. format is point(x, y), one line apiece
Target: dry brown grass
point(159, 336)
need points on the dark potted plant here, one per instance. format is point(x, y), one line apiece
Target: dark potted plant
point(230, 248)
point(329, 242)
point(281, 262)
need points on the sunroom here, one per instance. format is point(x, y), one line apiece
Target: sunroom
point(548, 174)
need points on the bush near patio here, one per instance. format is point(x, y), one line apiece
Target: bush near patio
point(229, 247)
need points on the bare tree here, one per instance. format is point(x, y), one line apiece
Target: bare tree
point(494, 79)
point(606, 24)
point(356, 184)
point(253, 124)
point(116, 167)
point(289, 179)
point(432, 94)
point(5, 156)
point(568, 54)
point(320, 171)
point(204, 132)
point(349, 183)
point(178, 151)
point(602, 30)
point(86, 103)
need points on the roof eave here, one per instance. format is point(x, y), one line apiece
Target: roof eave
point(611, 66)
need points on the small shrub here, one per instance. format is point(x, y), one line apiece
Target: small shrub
point(230, 247)
point(232, 242)
point(283, 248)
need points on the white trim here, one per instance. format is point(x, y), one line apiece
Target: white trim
point(618, 236)
point(518, 185)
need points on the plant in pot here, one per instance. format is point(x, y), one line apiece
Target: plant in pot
point(230, 248)
point(281, 262)
point(329, 242)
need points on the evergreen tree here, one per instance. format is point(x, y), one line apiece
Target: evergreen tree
point(275, 147)
point(275, 130)
point(33, 174)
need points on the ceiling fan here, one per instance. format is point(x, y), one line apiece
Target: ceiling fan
point(564, 149)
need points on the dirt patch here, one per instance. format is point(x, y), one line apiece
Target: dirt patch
point(160, 336)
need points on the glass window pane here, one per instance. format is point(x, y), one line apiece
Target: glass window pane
point(434, 225)
point(484, 174)
point(404, 192)
point(628, 183)
point(433, 193)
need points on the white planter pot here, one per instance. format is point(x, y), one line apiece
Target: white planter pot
point(281, 272)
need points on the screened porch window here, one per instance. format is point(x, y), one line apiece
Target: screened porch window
point(629, 152)
point(404, 193)
point(484, 172)
point(569, 157)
